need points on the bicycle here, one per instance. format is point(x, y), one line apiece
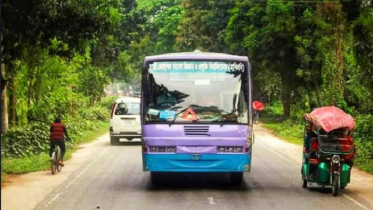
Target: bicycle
point(55, 160)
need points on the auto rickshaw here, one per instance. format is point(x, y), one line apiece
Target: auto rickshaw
point(328, 148)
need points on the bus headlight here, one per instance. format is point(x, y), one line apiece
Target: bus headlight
point(153, 149)
point(162, 149)
point(238, 149)
point(222, 149)
point(171, 149)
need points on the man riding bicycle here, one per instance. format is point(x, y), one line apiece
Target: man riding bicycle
point(57, 137)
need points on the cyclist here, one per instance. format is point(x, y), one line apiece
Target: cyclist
point(58, 132)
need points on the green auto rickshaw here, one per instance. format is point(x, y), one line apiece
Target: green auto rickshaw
point(328, 150)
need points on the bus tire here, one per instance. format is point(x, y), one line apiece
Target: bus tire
point(155, 178)
point(236, 178)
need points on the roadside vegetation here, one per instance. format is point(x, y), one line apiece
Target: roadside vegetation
point(25, 148)
point(59, 56)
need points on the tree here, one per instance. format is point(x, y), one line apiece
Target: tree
point(267, 32)
point(203, 25)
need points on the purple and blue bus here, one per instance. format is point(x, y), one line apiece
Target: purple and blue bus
point(196, 114)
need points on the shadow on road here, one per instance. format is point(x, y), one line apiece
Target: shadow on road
point(326, 190)
point(196, 181)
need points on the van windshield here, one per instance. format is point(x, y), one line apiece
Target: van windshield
point(129, 108)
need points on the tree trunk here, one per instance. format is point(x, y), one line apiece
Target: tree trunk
point(286, 103)
point(4, 108)
point(4, 112)
point(255, 91)
point(29, 92)
point(286, 95)
point(318, 99)
point(3, 80)
point(12, 102)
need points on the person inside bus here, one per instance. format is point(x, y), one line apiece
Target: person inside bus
point(165, 98)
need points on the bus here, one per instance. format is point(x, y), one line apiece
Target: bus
point(196, 114)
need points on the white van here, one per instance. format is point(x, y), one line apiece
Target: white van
point(125, 119)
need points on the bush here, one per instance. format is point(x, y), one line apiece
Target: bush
point(363, 137)
point(107, 102)
point(25, 140)
point(95, 113)
point(33, 139)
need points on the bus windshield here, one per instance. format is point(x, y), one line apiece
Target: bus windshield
point(196, 91)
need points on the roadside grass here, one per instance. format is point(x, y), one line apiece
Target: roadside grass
point(286, 130)
point(364, 164)
point(41, 162)
point(3, 177)
point(290, 130)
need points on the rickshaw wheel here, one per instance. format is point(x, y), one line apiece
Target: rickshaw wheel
point(335, 185)
point(304, 182)
point(342, 188)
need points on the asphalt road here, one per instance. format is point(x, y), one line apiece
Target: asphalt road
point(112, 178)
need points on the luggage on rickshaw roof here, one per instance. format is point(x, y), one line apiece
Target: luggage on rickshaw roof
point(331, 118)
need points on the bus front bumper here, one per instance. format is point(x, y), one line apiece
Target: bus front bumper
point(197, 162)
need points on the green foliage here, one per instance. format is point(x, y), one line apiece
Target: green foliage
point(25, 164)
point(303, 54)
point(95, 113)
point(202, 25)
point(3, 177)
point(33, 138)
point(25, 140)
point(363, 137)
point(107, 102)
point(290, 130)
point(41, 161)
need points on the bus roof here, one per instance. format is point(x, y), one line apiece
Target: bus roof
point(196, 55)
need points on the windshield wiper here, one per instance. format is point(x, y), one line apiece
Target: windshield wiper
point(183, 110)
point(223, 122)
point(219, 120)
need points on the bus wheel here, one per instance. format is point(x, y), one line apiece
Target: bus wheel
point(236, 178)
point(155, 178)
